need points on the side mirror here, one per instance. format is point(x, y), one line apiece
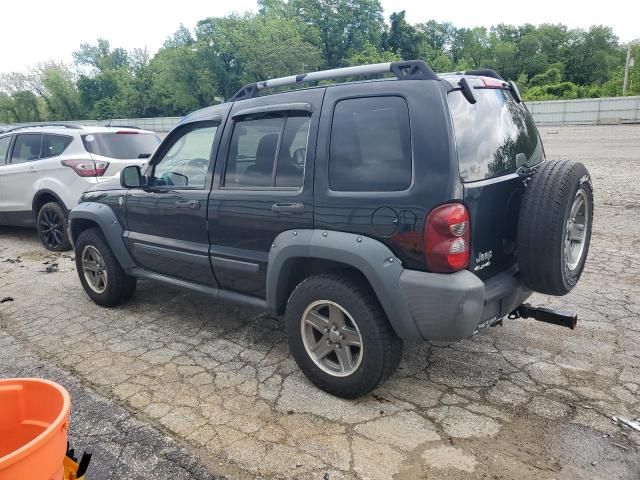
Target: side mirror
point(521, 160)
point(131, 177)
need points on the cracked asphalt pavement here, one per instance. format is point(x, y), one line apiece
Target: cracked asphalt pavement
point(173, 385)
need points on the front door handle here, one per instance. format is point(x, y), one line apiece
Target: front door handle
point(195, 204)
point(288, 208)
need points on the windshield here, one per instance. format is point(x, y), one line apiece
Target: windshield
point(121, 145)
point(494, 136)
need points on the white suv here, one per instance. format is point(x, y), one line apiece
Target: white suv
point(45, 168)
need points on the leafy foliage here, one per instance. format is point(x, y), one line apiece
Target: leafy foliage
point(208, 64)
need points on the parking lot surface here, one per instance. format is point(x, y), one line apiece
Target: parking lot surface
point(214, 385)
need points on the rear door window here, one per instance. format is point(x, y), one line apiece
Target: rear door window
point(26, 148)
point(491, 133)
point(124, 145)
point(55, 144)
point(4, 147)
point(268, 152)
point(370, 146)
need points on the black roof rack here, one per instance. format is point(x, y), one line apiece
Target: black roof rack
point(43, 124)
point(403, 70)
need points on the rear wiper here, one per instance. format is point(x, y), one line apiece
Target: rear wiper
point(144, 155)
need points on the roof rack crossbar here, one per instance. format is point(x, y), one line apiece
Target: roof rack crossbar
point(403, 70)
point(44, 124)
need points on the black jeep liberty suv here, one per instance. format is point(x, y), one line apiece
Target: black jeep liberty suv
point(418, 206)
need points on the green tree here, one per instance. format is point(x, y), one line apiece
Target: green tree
point(340, 28)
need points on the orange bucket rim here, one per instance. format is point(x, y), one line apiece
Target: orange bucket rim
point(24, 450)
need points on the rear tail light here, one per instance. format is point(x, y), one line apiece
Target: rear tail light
point(446, 238)
point(87, 168)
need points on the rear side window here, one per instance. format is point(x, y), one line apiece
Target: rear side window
point(26, 148)
point(491, 133)
point(268, 152)
point(125, 145)
point(370, 145)
point(4, 146)
point(55, 145)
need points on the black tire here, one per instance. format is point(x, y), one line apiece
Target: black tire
point(381, 348)
point(52, 227)
point(118, 286)
point(545, 265)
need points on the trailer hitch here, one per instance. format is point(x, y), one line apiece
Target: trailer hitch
point(547, 315)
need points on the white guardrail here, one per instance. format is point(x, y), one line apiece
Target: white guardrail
point(587, 111)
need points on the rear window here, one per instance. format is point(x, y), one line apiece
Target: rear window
point(491, 133)
point(123, 146)
point(370, 145)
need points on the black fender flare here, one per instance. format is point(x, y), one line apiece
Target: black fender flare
point(103, 216)
point(370, 257)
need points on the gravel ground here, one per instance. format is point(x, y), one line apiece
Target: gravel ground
point(172, 385)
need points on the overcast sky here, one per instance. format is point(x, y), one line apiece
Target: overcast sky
point(37, 30)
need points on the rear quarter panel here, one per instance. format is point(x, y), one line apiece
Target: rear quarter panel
point(435, 172)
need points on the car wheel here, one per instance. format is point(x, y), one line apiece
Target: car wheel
point(340, 336)
point(52, 227)
point(102, 277)
point(554, 230)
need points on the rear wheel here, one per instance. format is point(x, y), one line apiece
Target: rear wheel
point(554, 230)
point(52, 227)
point(340, 336)
point(102, 277)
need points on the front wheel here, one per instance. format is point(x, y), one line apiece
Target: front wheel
point(52, 227)
point(340, 336)
point(101, 275)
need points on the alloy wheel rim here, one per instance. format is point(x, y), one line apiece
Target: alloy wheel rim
point(331, 338)
point(576, 230)
point(51, 229)
point(94, 269)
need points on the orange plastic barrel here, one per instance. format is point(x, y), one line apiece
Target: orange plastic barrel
point(34, 420)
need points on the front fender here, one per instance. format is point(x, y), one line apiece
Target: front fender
point(103, 216)
point(370, 257)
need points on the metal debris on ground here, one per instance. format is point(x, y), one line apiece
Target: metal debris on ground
point(53, 267)
point(12, 260)
point(6, 299)
point(633, 424)
point(620, 446)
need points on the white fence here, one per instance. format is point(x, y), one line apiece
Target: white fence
point(587, 111)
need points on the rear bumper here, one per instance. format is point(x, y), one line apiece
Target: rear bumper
point(451, 307)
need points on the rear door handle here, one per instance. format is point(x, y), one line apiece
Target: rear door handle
point(195, 204)
point(288, 208)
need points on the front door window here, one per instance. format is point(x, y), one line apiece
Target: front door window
point(186, 162)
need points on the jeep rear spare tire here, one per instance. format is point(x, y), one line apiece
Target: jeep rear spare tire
point(554, 229)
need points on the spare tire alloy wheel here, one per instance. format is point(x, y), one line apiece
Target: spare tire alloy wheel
point(331, 338)
point(576, 231)
point(94, 269)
